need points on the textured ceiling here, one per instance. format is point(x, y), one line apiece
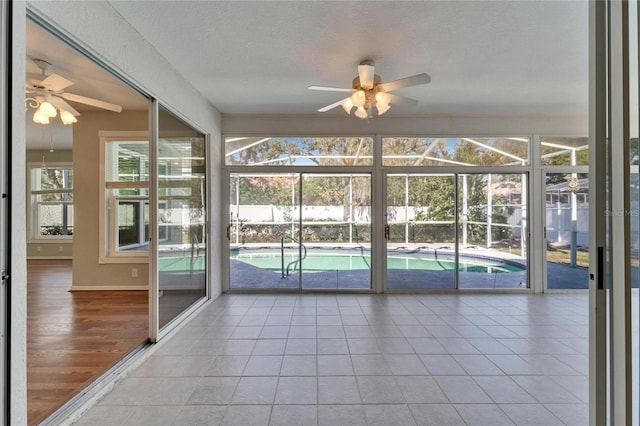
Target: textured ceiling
point(484, 57)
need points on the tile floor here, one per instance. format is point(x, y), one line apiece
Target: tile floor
point(365, 360)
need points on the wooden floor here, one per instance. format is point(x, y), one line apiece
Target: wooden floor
point(72, 338)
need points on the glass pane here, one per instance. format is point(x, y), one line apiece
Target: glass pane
point(264, 230)
point(567, 230)
point(336, 232)
point(181, 216)
point(560, 151)
point(55, 219)
point(127, 161)
point(634, 198)
point(421, 219)
point(298, 151)
point(54, 178)
point(497, 151)
point(493, 228)
point(131, 222)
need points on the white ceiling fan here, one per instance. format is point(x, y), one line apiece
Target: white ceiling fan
point(46, 93)
point(368, 90)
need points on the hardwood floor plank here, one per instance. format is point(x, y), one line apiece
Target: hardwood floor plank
point(73, 338)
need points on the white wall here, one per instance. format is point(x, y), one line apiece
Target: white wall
point(512, 125)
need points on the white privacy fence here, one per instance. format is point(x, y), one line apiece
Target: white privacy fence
point(559, 223)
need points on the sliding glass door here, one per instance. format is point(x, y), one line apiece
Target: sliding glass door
point(263, 230)
point(336, 231)
point(493, 243)
point(181, 216)
point(5, 77)
point(421, 231)
point(459, 230)
point(299, 231)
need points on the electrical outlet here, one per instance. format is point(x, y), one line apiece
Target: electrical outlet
point(134, 272)
point(60, 248)
point(38, 248)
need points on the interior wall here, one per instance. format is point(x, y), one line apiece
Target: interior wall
point(87, 273)
point(47, 249)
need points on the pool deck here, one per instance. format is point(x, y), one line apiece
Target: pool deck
point(245, 276)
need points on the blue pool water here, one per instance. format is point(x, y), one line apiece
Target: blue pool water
point(347, 260)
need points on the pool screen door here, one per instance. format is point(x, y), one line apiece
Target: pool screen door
point(305, 231)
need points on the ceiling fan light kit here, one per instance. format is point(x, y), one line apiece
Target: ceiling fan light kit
point(368, 91)
point(48, 94)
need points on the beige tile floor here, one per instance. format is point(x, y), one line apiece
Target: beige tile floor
point(463, 359)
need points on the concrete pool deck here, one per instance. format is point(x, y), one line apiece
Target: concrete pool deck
point(245, 276)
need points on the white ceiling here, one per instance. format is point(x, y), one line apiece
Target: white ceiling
point(484, 57)
point(258, 57)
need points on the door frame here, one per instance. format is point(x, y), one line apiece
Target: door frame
point(383, 267)
point(299, 171)
point(5, 205)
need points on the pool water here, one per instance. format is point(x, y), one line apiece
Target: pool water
point(353, 260)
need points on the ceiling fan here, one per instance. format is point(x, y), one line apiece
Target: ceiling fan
point(368, 90)
point(46, 93)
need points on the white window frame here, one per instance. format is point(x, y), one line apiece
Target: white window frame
point(33, 217)
point(108, 252)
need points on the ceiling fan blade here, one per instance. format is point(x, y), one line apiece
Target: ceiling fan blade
point(414, 80)
point(332, 106)
point(366, 73)
point(62, 104)
point(55, 83)
point(400, 100)
point(92, 102)
point(330, 89)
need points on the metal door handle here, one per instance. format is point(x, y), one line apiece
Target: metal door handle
point(387, 231)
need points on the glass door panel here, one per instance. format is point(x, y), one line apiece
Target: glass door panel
point(492, 213)
point(336, 232)
point(181, 217)
point(264, 231)
point(421, 234)
point(567, 230)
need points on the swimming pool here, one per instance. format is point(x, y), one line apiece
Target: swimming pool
point(349, 260)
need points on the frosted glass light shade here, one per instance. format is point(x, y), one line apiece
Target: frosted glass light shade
point(382, 99)
point(40, 118)
point(358, 98)
point(347, 105)
point(67, 117)
point(361, 113)
point(47, 109)
point(382, 108)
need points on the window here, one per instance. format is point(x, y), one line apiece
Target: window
point(455, 151)
point(51, 201)
point(298, 151)
point(564, 151)
point(124, 209)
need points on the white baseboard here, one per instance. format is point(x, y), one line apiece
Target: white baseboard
point(109, 288)
point(50, 258)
